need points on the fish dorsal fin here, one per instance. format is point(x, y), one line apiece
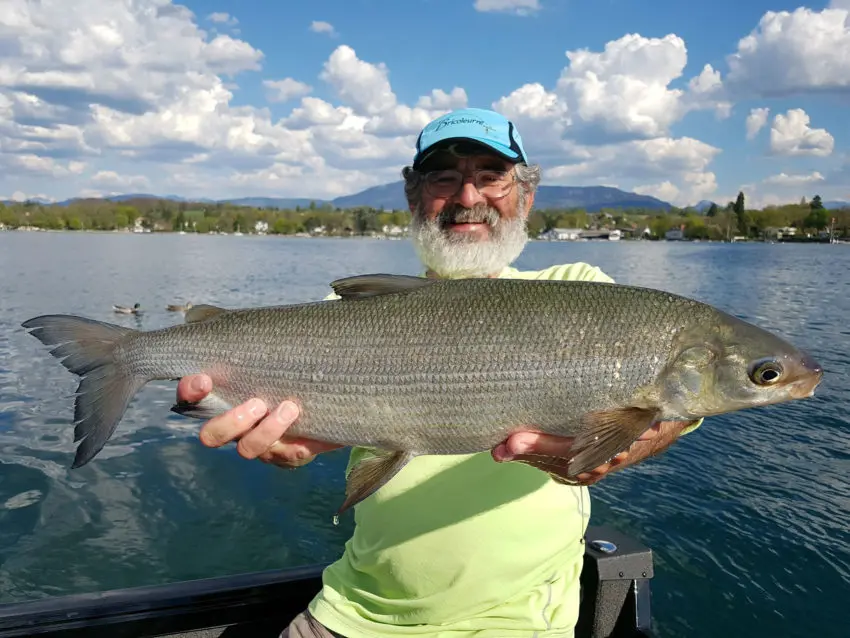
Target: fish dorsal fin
point(202, 312)
point(363, 286)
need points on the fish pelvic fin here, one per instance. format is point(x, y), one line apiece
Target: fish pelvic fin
point(607, 433)
point(202, 312)
point(364, 286)
point(87, 348)
point(207, 408)
point(372, 473)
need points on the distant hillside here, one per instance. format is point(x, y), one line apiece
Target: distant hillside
point(273, 202)
point(594, 198)
point(391, 197)
point(703, 205)
point(387, 196)
point(836, 204)
point(591, 198)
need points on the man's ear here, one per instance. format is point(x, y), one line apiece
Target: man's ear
point(530, 201)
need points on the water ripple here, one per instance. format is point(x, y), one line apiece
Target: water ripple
point(748, 515)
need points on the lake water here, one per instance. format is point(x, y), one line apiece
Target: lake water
point(747, 517)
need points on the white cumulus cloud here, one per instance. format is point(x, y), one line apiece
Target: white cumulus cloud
point(756, 120)
point(792, 135)
point(518, 7)
point(677, 167)
point(107, 96)
point(220, 17)
point(111, 179)
point(784, 179)
point(285, 89)
point(792, 52)
point(320, 26)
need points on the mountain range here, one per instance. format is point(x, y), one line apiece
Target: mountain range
point(391, 197)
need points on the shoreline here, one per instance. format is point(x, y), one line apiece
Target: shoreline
point(806, 240)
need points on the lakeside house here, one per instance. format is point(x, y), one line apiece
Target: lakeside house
point(778, 233)
point(675, 234)
point(581, 234)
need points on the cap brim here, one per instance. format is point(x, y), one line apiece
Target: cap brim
point(489, 145)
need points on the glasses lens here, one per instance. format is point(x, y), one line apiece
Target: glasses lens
point(490, 183)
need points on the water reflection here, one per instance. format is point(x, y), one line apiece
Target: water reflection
point(755, 503)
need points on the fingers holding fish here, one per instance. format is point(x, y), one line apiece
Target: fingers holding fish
point(652, 432)
point(258, 433)
point(261, 435)
point(294, 453)
point(553, 454)
point(553, 457)
point(234, 424)
point(193, 388)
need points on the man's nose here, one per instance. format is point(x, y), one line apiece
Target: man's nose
point(468, 196)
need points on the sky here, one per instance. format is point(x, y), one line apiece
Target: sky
point(217, 98)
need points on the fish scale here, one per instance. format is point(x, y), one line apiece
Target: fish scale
point(418, 366)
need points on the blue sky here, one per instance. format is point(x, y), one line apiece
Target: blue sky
point(226, 98)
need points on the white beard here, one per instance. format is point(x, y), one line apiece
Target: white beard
point(456, 256)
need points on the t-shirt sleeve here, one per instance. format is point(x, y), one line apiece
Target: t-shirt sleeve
point(579, 271)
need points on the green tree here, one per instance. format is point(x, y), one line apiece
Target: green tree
point(741, 214)
point(817, 219)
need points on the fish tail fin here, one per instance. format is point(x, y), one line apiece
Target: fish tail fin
point(87, 348)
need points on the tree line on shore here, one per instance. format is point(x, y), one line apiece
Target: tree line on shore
point(161, 215)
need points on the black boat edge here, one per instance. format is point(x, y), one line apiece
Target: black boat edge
point(615, 601)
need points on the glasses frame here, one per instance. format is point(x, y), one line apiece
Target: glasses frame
point(476, 175)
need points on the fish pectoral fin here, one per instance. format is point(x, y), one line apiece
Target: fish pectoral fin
point(208, 407)
point(372, 473)
point(202, 312)
point(363, 286)
point(607, 433)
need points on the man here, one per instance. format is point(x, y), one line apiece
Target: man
point(453, 545)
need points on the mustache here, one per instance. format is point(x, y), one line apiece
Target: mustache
point(478, 214)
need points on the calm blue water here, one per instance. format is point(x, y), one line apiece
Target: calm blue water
point(748, 517)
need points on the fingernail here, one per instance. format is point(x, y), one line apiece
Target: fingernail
point(256, 408)
point(519, 446)
point(198, 384)
point(287, 412)
point(501, 453)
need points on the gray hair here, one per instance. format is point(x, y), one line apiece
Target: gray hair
point(527, 175)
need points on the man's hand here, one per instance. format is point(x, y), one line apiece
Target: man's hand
point(552, 453)
point(260, 434)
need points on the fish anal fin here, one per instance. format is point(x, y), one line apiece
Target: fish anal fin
point(207, 408)
point(202, 312)
point(607, 433)
point(363, 286)
point(372, 473)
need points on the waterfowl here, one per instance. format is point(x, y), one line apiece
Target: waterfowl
point(124, 310)
point(178, 307)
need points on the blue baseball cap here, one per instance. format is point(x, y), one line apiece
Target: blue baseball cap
point(485, 127)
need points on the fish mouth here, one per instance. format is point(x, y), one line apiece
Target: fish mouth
point(808, 379)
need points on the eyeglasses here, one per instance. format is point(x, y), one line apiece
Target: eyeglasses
point(493, 184)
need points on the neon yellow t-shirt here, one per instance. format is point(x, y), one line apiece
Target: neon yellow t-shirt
point(457, 546)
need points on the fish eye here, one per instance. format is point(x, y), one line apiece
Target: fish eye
point(765, 372)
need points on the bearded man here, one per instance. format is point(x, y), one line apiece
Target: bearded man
point(454, 545)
